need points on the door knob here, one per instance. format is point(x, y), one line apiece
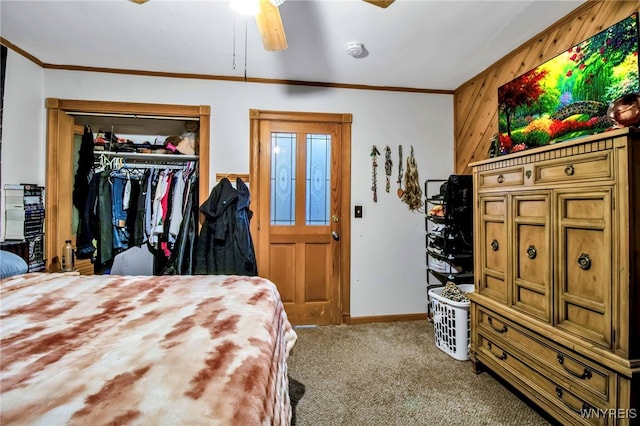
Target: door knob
point(335, 235)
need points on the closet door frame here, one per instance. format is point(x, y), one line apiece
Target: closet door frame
point(58, 203)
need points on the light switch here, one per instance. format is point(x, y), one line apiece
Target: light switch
point(358, 211)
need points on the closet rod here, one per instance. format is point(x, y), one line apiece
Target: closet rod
point(152, 166)
point(147, 157)
point(106, 114)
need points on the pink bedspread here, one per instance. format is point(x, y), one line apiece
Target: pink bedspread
point(169, 350)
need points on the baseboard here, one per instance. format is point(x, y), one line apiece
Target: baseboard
point(389, 318)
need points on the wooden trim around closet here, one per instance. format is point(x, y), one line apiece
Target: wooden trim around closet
point(58, 205)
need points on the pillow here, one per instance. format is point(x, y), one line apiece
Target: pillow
point(11, 264)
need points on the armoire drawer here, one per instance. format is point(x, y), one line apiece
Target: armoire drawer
point(591, 381)
point(577, 167)
point(500, 178)
point(541, 384)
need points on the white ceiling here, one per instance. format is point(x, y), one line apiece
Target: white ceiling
point(423, 44)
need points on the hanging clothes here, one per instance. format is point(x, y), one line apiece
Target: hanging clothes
point(84, 191)
point(133, 261)
point(176, 207)
point(87, 226)
point(129, 206)
point(104, 228)
point(182, 259)
point(225, 245)
point(84, 169)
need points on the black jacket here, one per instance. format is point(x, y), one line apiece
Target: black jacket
point(85, 187)
point(225, 245)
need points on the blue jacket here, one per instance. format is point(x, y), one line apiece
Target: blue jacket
point(225, 246)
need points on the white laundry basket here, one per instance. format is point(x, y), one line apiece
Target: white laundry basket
point(451, 323)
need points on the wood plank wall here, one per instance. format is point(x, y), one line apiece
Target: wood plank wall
point(476, 101)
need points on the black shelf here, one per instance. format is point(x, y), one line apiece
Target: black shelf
point(449, 256)
point(448, 247)
point(457, 277)
point(435, 201)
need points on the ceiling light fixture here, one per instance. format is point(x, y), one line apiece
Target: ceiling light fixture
point(245, 7)
point(354, 48)
point(250, 7)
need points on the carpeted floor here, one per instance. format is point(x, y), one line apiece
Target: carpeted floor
point(393, 374)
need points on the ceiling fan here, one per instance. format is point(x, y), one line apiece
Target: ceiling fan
point(380, 3)
point(270, 24)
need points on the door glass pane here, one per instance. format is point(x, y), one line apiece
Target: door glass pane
point(318, 188)
point(283, 179)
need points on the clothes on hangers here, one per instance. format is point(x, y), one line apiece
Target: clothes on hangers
point(104, 225)
point(120, 194)
point(85, 234)
point(84, 170)
point(176, 207)
point(182, 259)
point(128, 207)
point(136, 260)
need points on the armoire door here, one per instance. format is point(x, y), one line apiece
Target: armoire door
point(585, 259)
point(532, 292)
point(492, 244)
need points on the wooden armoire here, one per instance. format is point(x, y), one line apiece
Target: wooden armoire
point(556, 308)
point(64, 120)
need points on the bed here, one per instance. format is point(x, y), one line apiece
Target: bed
point(161, 350)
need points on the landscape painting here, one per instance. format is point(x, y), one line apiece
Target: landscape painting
point(568, 96)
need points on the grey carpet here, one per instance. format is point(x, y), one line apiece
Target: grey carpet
point(393, 374)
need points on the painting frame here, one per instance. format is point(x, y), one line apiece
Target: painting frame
point(567, 96)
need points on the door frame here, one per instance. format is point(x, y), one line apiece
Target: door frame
point(344, 180)
point(58, 204)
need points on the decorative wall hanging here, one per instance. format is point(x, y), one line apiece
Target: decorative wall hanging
point(567, 96)
point(388, 164)
point(400, 191)
point(374, 173)
point(412, 188)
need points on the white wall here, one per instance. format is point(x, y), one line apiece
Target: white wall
point(23, 130)
point(388, 244)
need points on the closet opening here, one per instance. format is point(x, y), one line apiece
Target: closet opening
point(132, 147)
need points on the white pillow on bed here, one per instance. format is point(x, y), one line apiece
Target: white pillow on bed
point(11, 264)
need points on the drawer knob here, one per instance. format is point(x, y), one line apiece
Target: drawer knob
point(499, 330)
point(532, 252)
point(583, 409)
point(586, 375)
point(584, 261)
point(569, 170)
point(500, 178)
point(494, 245)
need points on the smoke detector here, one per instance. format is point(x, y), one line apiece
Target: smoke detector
point(354, 48)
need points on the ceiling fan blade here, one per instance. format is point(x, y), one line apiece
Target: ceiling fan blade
point(270, 26)
point(380, 3)
point(139, 1)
